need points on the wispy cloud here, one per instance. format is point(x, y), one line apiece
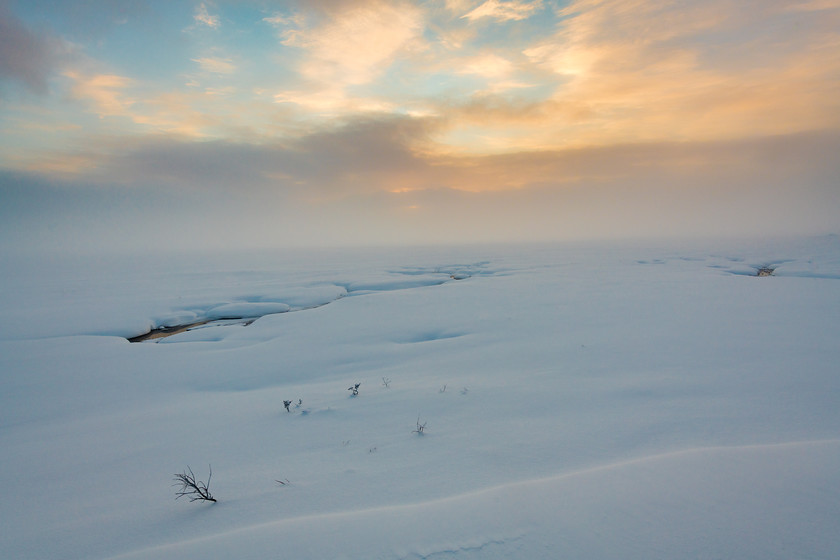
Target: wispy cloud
point(500, 10)
point(203, 17)
point(285, 23)
point(106, 93)
point(197, 113)
point(354, 44)
point(216, 65)
point(488, 65)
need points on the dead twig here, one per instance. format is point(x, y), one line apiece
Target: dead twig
point(195, 490)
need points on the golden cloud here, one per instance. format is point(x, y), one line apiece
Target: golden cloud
point(353, 46)
point(504, 11)
point(679, 70)
point(106, 92)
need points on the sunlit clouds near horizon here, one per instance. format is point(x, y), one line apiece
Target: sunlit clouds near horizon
point(202, 124)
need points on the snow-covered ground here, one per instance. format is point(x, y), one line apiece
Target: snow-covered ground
point(580, 401)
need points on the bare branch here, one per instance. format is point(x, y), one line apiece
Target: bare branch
point(193, 489)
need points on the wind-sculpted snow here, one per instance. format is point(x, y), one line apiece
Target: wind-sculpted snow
point(762, 502)
point(586, 400)
point(427, 336)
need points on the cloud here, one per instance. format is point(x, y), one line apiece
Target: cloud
point(693, 70)
point(362, 156)
point(378, 181)
point(26, 57)
point(349, 45)
point(216, 65)
point(606, 72)
point(286, 23)
point(398, 154)
point(488, 65)
point(327, 189)
point(105, 92)
point(758, 186)
point(203, 17)
point(504, 11)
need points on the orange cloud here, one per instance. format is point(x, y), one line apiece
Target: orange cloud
point(687, 70)
point(504, 11)
point(356, 44)
point(105, 92)
point(640, 71)
point(351, 47)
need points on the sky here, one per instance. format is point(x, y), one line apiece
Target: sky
point(180, 124)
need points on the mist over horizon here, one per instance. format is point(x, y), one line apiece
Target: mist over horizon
point(762, 189)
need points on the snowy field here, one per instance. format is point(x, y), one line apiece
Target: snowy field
point(580, 401)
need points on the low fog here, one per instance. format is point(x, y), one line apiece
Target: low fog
point(360, 186)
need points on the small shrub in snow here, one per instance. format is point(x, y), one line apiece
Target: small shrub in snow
point(354, 389)
point(386, 382)
point(287, 404)
point(442, 389)
point(419, 430)
point(195, 490)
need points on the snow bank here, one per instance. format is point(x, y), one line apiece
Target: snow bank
point(246, 309)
